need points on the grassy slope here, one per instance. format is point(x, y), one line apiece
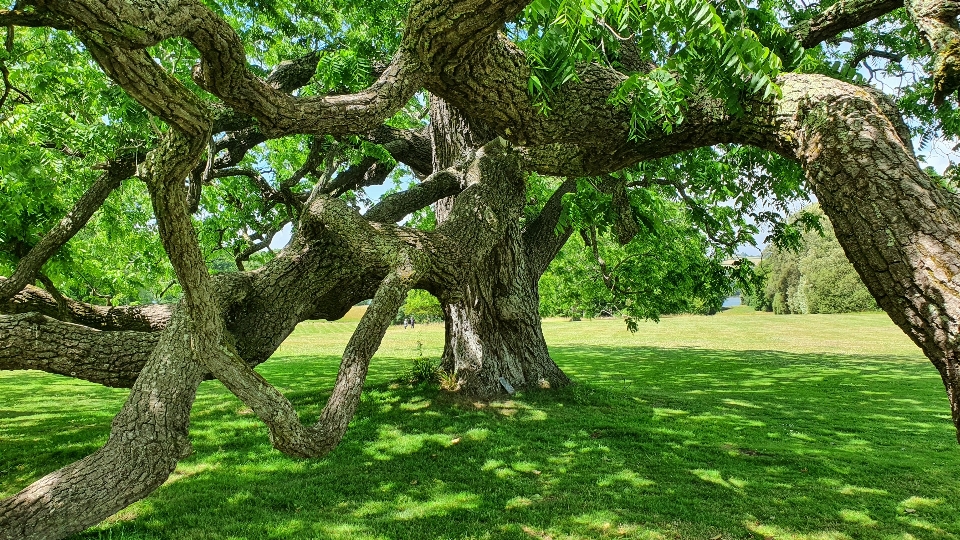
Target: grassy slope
point(743, 425)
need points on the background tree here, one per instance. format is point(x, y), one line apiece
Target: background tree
point(816, 278)
point(668, 266)
point(422, 306)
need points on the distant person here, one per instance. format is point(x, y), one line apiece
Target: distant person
point(405, 323)
point(413, 322)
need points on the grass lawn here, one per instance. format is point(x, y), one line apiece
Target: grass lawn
point(740, 425)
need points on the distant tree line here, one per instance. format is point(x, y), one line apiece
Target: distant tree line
point(814, 277)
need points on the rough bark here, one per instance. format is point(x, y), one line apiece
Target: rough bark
point(147, 438)
point(492, 319)
point(840, 17)
point(453, 137)
point(541, 239)
point(442, 185)
point(33, 341)
point(493, 328)
point(937, 21)
point(146, 318)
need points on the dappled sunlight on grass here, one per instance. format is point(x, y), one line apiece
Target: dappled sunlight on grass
point(715, 477)
point(773, 532)
point(742, 436)
point(392, 442)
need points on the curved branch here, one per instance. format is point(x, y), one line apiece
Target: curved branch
point(32, 19)
point(287, 433)
point(148, 83)
point(412, 147)
point(147, 318)
point(896, 226)
point(369, 172)
point(541, 239)
point(876, 53)
point(394, 207)
point(434, 34)
point(840, 17)
point(147, 438)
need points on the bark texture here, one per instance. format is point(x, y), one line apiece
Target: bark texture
point(147, 438)
point(937, 21)
point(840, 17)
point(146, 318)
point(896, 226)
point(493, 326)
point(33, 341)
point(492, 318)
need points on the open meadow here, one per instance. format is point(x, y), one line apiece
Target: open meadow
point(739, 425)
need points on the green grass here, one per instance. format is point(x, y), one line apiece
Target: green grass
point(744, 425)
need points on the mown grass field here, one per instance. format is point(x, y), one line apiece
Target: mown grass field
point(740, 425)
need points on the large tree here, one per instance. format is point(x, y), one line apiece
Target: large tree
point(226, 153)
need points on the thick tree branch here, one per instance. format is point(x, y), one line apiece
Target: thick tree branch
point(541, 239)
point(412, 147)
point(840, 17)
point(876, 53)
point(148, 318)
point(937, 21)
point(394, 207)
point(369, 172)
point(32, 19)
point(34, 341)
point(880, 204)
point(154, 88)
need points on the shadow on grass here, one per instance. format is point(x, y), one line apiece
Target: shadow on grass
point(652, 443)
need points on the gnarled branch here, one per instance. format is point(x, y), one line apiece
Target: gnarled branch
point(435, 187)
point(839, 18)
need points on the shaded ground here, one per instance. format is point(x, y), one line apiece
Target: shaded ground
point(656, 442)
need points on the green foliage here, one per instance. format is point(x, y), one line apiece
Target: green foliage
point(667, 268)
point(728, 50)
point(51, 144)
point(67, 118)
point(423, 371)
point(692, 211)
point(816, 278)
point(669, 52)
point(422, 306)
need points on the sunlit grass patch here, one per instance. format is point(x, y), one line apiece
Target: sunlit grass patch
point(740, 425)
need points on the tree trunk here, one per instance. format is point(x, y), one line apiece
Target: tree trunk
point(147, 438)
point(492, 326)
point(493, 329)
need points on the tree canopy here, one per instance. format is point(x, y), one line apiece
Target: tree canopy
point(152, 150)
